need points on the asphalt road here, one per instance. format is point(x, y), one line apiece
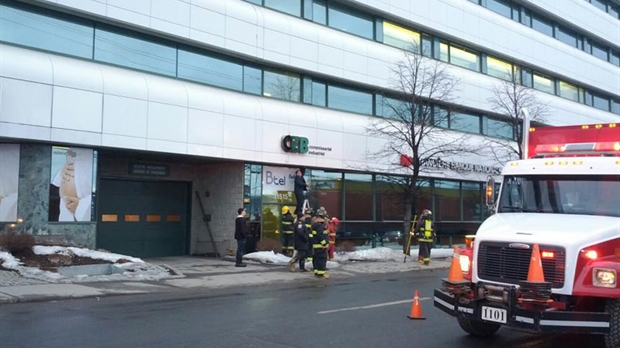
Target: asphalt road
point(365, 311)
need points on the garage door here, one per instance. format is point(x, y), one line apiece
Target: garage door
point(143, 218)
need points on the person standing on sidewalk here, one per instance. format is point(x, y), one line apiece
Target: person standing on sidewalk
point(301, 245)
point(319, 245)
point(288, 238)
point(241, 235)
point(332, 228)
point(426, 237)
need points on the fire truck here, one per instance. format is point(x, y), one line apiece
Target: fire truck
point(561, 201)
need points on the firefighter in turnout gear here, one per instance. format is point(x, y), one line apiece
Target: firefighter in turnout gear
point(332, 228)
point(302, 244)
point(319, 244)
point(307, 219)
point(426, 237)
point(288, 239)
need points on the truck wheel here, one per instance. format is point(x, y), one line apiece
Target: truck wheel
point(612, 340)
point(477, 328)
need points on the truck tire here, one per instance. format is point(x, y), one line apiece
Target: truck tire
point(477, 328)
point(612, 340)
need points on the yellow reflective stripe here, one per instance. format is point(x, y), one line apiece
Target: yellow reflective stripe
point(317, 246)
point(322, 242)
point(286, 223)
point(332, 234)
point(424, 240)
point(332, 242)
point(288, 232)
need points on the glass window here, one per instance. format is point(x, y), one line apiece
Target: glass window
point(464, 122)
point(498, 129)
point(440, 116)
point(392, 108)
point(447, 200)
point(600, 4)
point(472, 201)
point(499, 68)
point(526, 17)
point(319, 12)
point(599, 51)
point(46, 33)
point(319, 94)
point(358, 196)
point(135, 53)
point(289, 6)
point(209, 70)
point(526, 77)
point(543, 83)
point(444, 52)
point(568, 37)
point(427, 46)
point(281, 86)
point(390, 203)
point(252, 80)
point(350, 22)
point(349, 100)
point(614, 58)
point(542, 25)
point(501, 7)
point(569, 91)
point(252, 192)
point(464, 58)
point(400, 37)
point(326, 191)
point(424, 199)
point(600, 102)
point(612, 10)
point(615, 107)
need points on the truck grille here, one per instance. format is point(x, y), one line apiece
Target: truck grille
point(497, 261)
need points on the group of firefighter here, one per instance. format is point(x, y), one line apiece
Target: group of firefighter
point(311, 237)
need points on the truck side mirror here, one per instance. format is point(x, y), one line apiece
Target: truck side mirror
point(490, 192)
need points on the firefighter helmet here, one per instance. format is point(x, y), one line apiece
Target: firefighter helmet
point(309, 211)
point(321, 212)
point(426, 213)
point(335, 221)
point(285, 210)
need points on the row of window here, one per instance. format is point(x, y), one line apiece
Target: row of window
point(337, 16)
point(607, 6)
point(105, 44)
point(542, 24)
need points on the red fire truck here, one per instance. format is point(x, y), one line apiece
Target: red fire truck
point(563, 199)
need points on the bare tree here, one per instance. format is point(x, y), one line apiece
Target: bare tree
point(415, 124)
point(285, 87)
point(509, 97)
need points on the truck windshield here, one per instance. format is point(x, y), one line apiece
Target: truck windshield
point(586, 195)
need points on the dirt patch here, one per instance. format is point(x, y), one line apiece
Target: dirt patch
point(53, 261)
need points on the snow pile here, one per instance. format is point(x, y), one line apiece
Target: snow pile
point(279, 259)
point(10, 262)
point(386, 254)
point(99, 255)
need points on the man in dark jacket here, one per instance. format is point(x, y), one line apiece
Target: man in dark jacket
point(241, 234)
point(319, 244)
point(300, 187)
point(426, 237)
point(301, 245)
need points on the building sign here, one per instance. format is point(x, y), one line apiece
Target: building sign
point(148, 169)
point(9, 181)
point(301, 145)
point(279, 184)
point(406, 161)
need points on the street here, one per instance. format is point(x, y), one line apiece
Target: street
point(361, 311)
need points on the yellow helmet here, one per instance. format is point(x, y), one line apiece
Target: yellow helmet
point(284, 210)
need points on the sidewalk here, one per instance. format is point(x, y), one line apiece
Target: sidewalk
point(189, 272)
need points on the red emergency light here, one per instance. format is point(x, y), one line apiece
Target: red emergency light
point(584, 140)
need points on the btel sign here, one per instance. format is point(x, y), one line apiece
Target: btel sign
point(294, 144)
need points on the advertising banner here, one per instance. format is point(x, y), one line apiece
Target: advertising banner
point(9, 182)
point(279, 184)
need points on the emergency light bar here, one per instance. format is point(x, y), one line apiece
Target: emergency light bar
point(584, 140)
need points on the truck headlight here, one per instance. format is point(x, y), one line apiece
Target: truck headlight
point(604, 277)
point(465, 263)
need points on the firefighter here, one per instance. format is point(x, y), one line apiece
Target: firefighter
point(302, 239)
point(426, 237)
point(288, 239)
point(307, 218)
point(332, 228)
point(319, 244)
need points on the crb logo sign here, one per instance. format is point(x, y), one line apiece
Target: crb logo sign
point(294, 144)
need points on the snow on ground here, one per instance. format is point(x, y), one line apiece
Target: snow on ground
point(279, 259)
point(93, 254)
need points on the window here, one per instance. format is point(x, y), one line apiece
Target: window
point(542, 25)
point(569, 91)
point(390, 205)
point(392, 108)
point(315, 93)
point(46, 33)
point(615, 107)
point(440, 117)
point(464, 58)
point(526, 77)
point(281, 86)
point(472, 201)
point(252, 80)
point(326, 191)
point(349, 100)
point(464, 122)
point(400, 37)
point(289, 6)
point(319, 12)
point(447, 200)
point(135, 53)
point(599, 51)
point(427, 46)
point(600, 4)
point(358, 196)
point(498, 129)
point(350, 22)
point(499, 68)
point(444, 52)
point(600, 102)
point(501, 7)
point(614, 58)
point(568, 37)
point(543, 83)
point(209, 70)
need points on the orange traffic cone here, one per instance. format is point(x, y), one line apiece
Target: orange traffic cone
point(456, 273)
point(535, 273)
point(416, 308)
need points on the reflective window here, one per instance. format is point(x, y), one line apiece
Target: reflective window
point(326, 191)
point(349, 100)
point(542, 25)
point(358, 196)
point(393, 108)
point(209, 70)
point(289, 6)
point(390, 205)
point(599, 4)
point(135, 53)
point(500, 6)
point(319, 12)
point(599, 51)
point(612, 10)
point(614, 58)
point(400, 37)
point(465, 122)
point(447, 200)
point(350, 22)
point(444, 52)
point(281, 85)
point(252, 80)
point(464, 58)
point(46, 33)
point(427, 46)
point(615, 107)
point(543, 83)
point(440, 117)
point(319, 94)
point(472, 201)
point(526, 77)
point(568, 37)
point(600, 102)
point(499, 68)
point(498, 129)
point(569, 91)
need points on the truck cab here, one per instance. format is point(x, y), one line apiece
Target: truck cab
point(561, 206)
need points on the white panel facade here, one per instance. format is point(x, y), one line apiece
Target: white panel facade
point(17, 106)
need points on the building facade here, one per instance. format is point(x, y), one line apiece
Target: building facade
point(141, 126)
